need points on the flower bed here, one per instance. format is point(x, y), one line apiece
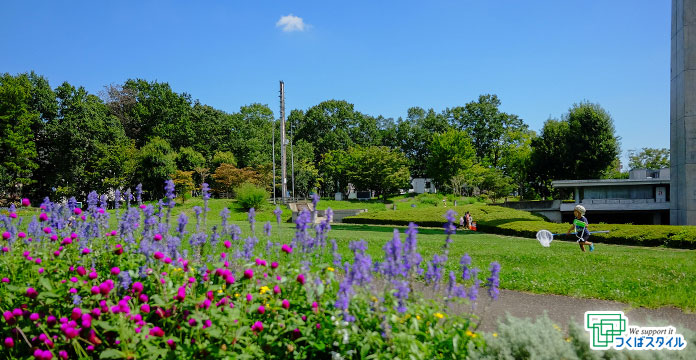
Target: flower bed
point(72, 287)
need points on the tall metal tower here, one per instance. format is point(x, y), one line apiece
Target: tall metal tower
point(283, 141)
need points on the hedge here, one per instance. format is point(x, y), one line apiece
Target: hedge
point(506, 221)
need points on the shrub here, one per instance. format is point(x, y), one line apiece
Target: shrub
point(506, 221)
point(428, 199)
point(251, 196)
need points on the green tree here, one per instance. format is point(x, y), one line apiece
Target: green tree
point(17, 147)
point(183, 181)
point(489, 128)
point(188, 159)
point(155, 165)
point(333, 167)
point(377, 168)
point(413, 134)
point(549, 156)
point(251, 135)
point(449, 153)
point(592, 143)
point(156, 111)
point(83, 147)
point(223, 157)
point(648, 158)
point(580, 146)
point(333, 125)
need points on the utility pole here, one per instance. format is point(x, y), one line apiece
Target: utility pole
point(274, 163)
point(283, 160)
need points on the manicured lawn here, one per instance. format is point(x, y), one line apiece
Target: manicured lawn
point(650, 277)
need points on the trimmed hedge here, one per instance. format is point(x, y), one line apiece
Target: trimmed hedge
point(506, 221)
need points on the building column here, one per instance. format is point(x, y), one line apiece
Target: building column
point(577, 195)
point(683, 113)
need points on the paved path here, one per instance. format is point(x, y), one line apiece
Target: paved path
point(561, 309)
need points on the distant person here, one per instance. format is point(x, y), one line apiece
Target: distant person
point(462, 222)
point(580, 226)
point(444, 202)
point(468, 220)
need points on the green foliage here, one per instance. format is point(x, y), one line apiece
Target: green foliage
point(648, 158)
point(183, 181)
point(17, 147)
point(155, 165)
point(188, 159)
point(333, 125)
point(223, 157)
point(493, 132)
point(449, 153)
point(377, 168)
point(413, 135)
point(250, 138)
point(580, 146)
point(250, 196)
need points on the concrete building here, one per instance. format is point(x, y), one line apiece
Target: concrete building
point(422, 185)
point(642, 198)
point(682, 117)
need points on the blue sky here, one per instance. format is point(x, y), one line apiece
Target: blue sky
point(539, 57)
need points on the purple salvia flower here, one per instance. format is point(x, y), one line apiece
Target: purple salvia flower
point(329, 215)
point(214, 238)
point(434, 273)
point(92, 201)
point(169, 193)
point(198, 210)
point(72, 203)
point(473, 290)
point(183, 220)
point(77, 300)
point(402, 291)
point(128, 196)
point(361, 272)
point(139, 194)
point(267, 228)
point(277, 213)
point(248, 248)
point(303, 220)
point(125, 279)
point(392, 266)
point(224, 215)
point(493, 282)
point(451, 284)
point(465, 262)
point(412, 259)
point(104, 202)
point(315, 200)
point(117, 199)
point(252, 219)
point(336, 256)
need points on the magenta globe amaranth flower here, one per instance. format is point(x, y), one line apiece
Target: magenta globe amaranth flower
point(32, 293)
point(301, 279)
point(26, 202)
point(257, 327)
point(261, 309)
point(286, 248)
point(157, 237)
point(248, 273)
point(285, 304)
point(115, 271)
point(77, 211)
point(9, 342)
point(6, 235)
point(157, 331)
point(158, 255)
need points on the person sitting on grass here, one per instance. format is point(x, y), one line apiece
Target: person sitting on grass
point(580, 226)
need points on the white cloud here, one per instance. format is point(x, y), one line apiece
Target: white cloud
point(291, 23)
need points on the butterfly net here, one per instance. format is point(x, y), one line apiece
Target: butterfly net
point(544, 237)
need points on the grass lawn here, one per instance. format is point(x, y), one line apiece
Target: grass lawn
point(650, 277)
